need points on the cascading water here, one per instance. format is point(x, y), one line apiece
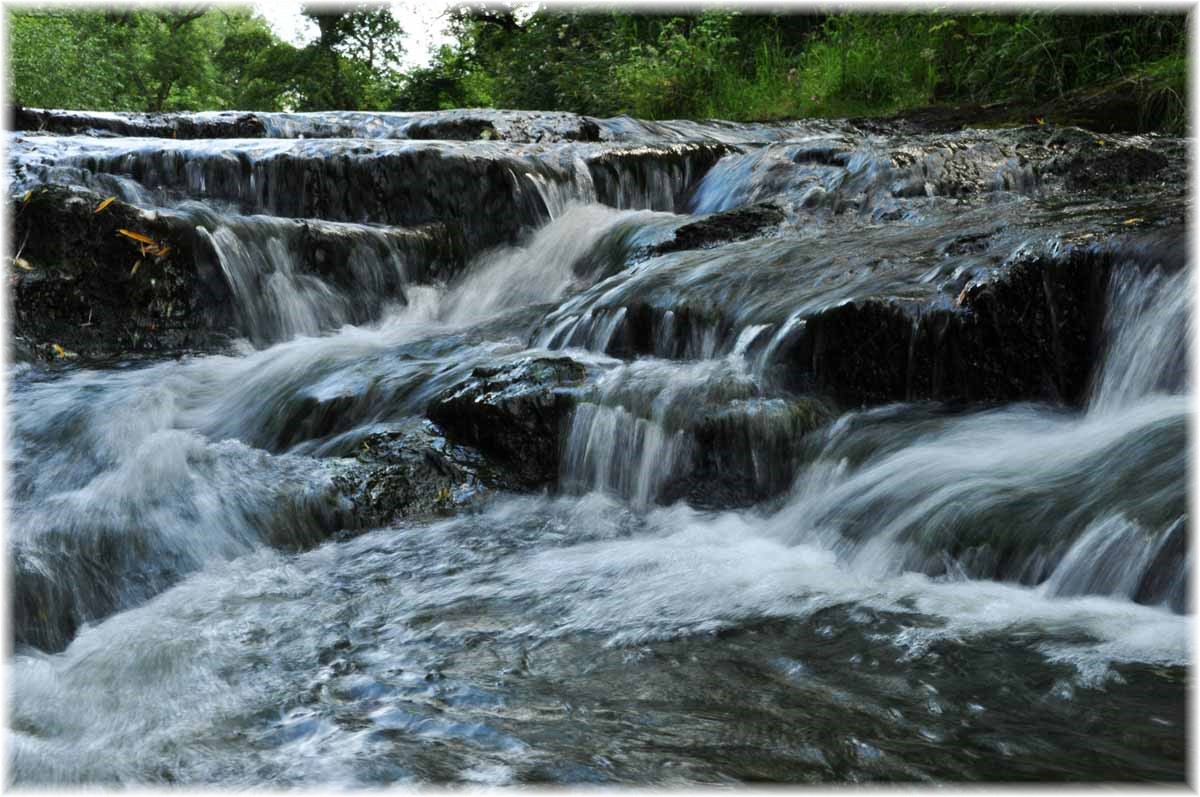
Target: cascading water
point(711, 453)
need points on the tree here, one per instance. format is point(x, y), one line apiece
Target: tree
point(355, 61)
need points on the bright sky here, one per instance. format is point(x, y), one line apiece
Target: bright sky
point(424, 26)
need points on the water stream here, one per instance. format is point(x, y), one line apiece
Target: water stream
point(737, 576)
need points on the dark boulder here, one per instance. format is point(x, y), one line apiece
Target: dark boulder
point(79, 285)
point(1031, 331)
point(514, 414)
point(1099, 168)
point(746, 451)
point(413, 472)
point(733, 225)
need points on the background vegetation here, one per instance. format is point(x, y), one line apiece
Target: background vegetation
point(727, 64)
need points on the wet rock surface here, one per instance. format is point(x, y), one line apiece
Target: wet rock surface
point(79, 284)
point(514, 414)
point(694, 409)
point(734, 225)
point(103, 278)
point(746, 452)
point(1030, 332)
point(159, 125)
point(414, 472)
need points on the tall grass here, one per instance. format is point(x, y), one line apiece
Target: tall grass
point(861, 64)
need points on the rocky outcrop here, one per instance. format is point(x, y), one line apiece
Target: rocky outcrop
point(746, 452)
point(414, 472)
point(1030, 332)
point(158, 125)
point(659, 177)
point(733, 225)
point(99, 278)
point(93, 281)
point(514, 414)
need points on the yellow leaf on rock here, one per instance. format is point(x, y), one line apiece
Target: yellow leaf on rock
point(1134, 220)
point(136, 266)
point(105, 204)
point(22, 263)
point(27, 195)
point(137, 236)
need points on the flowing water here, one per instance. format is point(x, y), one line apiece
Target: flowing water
point(908, 590)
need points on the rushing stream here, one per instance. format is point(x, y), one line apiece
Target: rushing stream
point(781, 541)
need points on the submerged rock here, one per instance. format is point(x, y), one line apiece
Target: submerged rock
point(746, 452)
point(749, 450)
point(514, 413)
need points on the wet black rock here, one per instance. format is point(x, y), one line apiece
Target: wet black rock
point(43, 607)
point(433, 252)
point(514, 414)
point(733, 225)
point(79, 283)
point(1031, 331)
point(664, 174)
point(1099, 168)
point(413, 472)
point(746, 451)
point(158, 125)
point(160, 287)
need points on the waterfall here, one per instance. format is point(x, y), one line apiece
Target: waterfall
point(509, 447)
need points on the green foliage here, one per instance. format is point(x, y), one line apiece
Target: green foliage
point(746, 66)
point(200, 59)
point(353, 64)
point(50, 67)
point(885, 62)
point(718, 63)
point(682, 71)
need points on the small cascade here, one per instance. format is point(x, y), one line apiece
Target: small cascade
point(1116, 556)
point(1147, 329)
point(655, 431)
point(261, 258)
point(802, 174)
point(1085, 503)
point(342, 443)
point(580, 245)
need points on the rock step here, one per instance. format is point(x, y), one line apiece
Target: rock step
point(161, 286)
point(494, 192)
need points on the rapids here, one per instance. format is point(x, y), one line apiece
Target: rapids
point(885, 484)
